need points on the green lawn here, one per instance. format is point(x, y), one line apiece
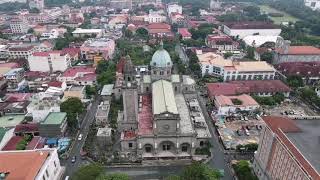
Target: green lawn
point(278, 20)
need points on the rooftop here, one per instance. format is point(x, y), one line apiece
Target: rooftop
point(26, 128)
point(301, 50)
point(245, 100)
point(252, 25)
point(258, 40)
point(305, 69)
point(30, 163)
point(184, 32)
point(301, 137)
point(107, 90)
point(145, 116)
point(246, 87)
point(11, 120)
point(55, 118)
point(72, 72)
point(163, 98)
point(185, 120)
point(12, 144)
point(104, 131)
point(101, 42)
point(84, 31)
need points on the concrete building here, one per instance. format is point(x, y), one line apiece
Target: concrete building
point(222, 42)
point(158, 120)
point(257, 40)
point(40, 108)
point(102, 114)
point(50, 61)
point(174, 8)
point(215, 4)
point(70, 75)
point(15, 80)
point(10, 121)
point(52, 34)
point(227, 105)
point(54, 125)
point(286, 53)
point(74, 92)
point(230, 70)
point(288, 149)
point(102, 46)
point(38, 4)
point(104, 136)
point(18, 26)
point(313, 4)
point(37, 164)
point(88, 32)
point(243, 29)
point(107, 91)
point(19, 51)
point(121, 4)
point(155, 17)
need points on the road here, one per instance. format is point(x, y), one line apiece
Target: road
point(84, 129)
point(182, 54)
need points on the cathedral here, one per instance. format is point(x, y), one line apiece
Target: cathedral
point(162, 118)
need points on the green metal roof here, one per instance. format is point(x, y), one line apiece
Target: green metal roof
point(55, 118)
point(11, 120)
point(2, 133)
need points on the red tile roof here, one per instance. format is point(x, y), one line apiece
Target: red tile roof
point(9, 65)
point(71, 51)
point(26, 128)
point(17, 97)
point(145, 116)
point(57, 84)
point(184, 32)
point(159, 26)
point(304, 69)
point(129, 135)
point(47, 53)
point(246, 87)
point(87, 77)
point(282, 125)
point(35, 143)
point(303, 50)
point(12, 143)
point(72, 72)
point(120, 65)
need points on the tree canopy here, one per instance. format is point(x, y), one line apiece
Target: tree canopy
point(243, 171)
point(72, 106)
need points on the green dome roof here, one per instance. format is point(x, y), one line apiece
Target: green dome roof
point(161, 58)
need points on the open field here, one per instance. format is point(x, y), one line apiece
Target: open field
point(278, 20)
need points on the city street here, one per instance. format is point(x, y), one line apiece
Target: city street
point(84, 129)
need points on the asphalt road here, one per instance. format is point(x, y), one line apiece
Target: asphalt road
point(84, 129)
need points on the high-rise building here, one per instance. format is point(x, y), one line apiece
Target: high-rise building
point(288, 149)
point(39, 4)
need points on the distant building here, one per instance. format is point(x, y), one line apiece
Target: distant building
point(31, 164)
point(258, 87)
point(107, 91)
point(286, 53)
point(243, 29)
point(155, 17)
point(222, 42)
point(53, 34)
point(50, 61)
point(215, 4)
point(174, 8)
point(257, 41)
point(70, 75)
point(18, 26)
point(87, 32)
point(92, 47)
point(313, 4)
point(39, 4)
point(288, 149)
point(54, 125)
point(159, 30)
point(229, 70)
point(121, 4)
point(185, 34)
point(16, 52)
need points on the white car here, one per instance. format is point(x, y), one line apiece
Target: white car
point(80, 137)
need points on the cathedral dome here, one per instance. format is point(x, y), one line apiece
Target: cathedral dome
point(161, 58)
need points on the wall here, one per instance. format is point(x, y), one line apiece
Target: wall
point(37, 63)
point(247, 32)
point(52, 166)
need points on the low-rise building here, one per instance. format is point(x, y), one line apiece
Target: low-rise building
point(227, 105)
point(70, 75)
point(257, 87)
point(288, 149)
point(185, 34)
point(15, 79)
point(53, 34)
point(50, 61)
point(243, 29)
point(107, 91)
point(257, 40)
point(79, 32)
point(31, 164)
point(102, 113)
point(74, 92)
point(54, 125)
point(104, 136)
point(159, 30)
point(102, 46)
point(16, 52)
point(174, 8)
point(10, 121)
point(313, 4)
point(231, 70)
point(18, 26)
point(222, 42)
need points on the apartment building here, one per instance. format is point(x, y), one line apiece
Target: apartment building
point(18, 26)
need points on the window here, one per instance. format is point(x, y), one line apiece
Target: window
point(43, 177)
point(161, 72)
point(55, 165)
point(148, 149)
point(130, 145)
point(166, 147)
point(175, 88)
point(201, 143)
point(184, 148)
point(147, 89)
point(47, 173)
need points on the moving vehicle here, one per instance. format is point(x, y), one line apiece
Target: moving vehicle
point(74, 158)
point(80, 137)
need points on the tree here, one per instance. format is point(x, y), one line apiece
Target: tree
point(72, 106)
point(117, 176)
point(199, 171)
point(250, 52)
point(295, 81)
point(243, 171)
point(108, 76)
point(142, 33)
point(90, 91)
point(61, 43)
point(128, 33)
point(227, 55)
point(267, 56)
point(86, 172)
point(30, 31)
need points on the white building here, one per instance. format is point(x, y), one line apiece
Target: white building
point(40, 108)
point(102, 113)
point(18, 26)
point(79, 32)
point(243, 29)
point(214, 64)
point(154, 17)
point(53, 34)
point(257, 40)
point(37, 164)
point(16, 52)
point(174, 8)
point(39, 4)
point(227, 105)
point(51, 61)
point(313, 4)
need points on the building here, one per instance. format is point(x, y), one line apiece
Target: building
point(18, 51)
point(159, 30)
point(174, 8)
point(88, 32)
point(287, 149)
point(158, 121)
point(309, 71)
point(102, 113)
point(31, 164)
point(50, 61)
point(215, 4)
point(243, 29)
point(286, 53)
point(185, 34)
point(54, 125)
point(71, 75)
point(155, 17)
point(74, 92)
point(107, 91)
point(121, 4)
point(104, 137)
point(257, 40)
point(222, 43)
point(40, 108)
point(257, 87)
point(53, 34)
point(104, 47)
point(38, 4)
point(230, 70)
point(313, 4)
point(227, 105)
point(10, 121)
point(15, 79)
point(18, 26)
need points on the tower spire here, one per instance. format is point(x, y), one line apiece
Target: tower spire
point(161, 44)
